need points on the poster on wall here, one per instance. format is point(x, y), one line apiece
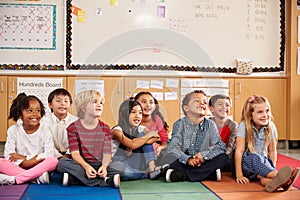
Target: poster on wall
point(28, 26)
point(40, 87)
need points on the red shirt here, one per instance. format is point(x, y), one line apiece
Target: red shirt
point(91, 144)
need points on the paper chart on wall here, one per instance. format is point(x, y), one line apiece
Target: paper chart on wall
point(28, 26)
point(39, 87)
point(81, 85)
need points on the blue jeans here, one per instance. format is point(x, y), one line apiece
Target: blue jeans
point(136, 163)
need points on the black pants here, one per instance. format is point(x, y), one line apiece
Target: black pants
point(207, 169)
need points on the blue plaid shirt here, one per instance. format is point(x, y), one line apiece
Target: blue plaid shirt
point(189, 139)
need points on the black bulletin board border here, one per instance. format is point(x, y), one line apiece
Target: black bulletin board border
point(231, 69)
point(70, 66)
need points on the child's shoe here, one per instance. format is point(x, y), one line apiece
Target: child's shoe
point(113, 181)
point(68, 179)
point(164, 169)
point(174, 176)
point(43, 179)
point(155, 173)
point(7, 180)
point(292, 179)
point(218, 175)
point(282, 177)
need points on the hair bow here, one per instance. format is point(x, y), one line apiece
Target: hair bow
point(251, 99)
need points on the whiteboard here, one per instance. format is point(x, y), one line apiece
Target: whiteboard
point(32, 32)
point(213, 33)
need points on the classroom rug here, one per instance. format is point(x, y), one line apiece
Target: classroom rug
point(12, 192)
point(55, 190)
point(283, 160)
point(158, 189)
point(229, 189)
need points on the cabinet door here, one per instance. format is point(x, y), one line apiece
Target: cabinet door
point(169, 107)
point(3, 108)
point(113, 94)
point(13, 90)
point(273, 89)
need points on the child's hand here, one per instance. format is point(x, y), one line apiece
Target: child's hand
point(128, 151)
point(200, 157)
point(194, 162)
point(153, 134)
point(242, 180)
point(90, 172)
point(102, 172)
point(14, 157)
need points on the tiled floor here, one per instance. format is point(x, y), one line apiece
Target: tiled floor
point(294, 153)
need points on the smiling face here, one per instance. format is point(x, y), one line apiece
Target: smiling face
point(60, 106)
point(221, 108)
point(197, 105)
point(148, 103)
point(135, 116)
point(261, 115)
point(94, 108)
point(31, 116)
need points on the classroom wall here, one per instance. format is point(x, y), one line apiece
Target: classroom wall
point(293, 79)
point(293, 89)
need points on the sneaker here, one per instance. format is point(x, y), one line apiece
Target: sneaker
point(7, 180)
point(43, 179)
point(155, 173)
point(174, 176)
point(218, 175)
point(292, 179)
point(113, 181)
point(68, 179)
point(65, 179)
point(164, 169)
point(282, 177)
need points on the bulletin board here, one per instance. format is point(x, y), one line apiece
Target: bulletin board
point(182, 35)
point(32, 35)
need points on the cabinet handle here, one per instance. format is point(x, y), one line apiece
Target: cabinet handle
point(2, 89)
point(240, 88)
point(129, 91)
point(13, 87)
point(119, 87)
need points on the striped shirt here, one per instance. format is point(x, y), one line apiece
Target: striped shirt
point(91, 144)
point(189, 139)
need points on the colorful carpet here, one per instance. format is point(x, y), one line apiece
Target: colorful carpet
point(153, 189)
point(284, 161)
point(12, 192)
point(229, 189)
point(159, 189)
point(56, 191)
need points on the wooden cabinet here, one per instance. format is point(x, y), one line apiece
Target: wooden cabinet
point(3, 108)
point(116, 89)
point(113, 94)
point(273, 89)
point(169, 107)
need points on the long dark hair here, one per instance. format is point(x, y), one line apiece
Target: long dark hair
point(124, 111)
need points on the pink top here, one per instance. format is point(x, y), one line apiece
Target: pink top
point(158, 125)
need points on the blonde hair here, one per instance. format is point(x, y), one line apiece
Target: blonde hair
point(83, 98)
point(247, 111)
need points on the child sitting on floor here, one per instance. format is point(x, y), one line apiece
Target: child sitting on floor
point(196, 151)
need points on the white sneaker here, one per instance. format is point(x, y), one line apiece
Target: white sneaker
point(218, 175)
point(65, 179)
point(7, 180)
point(43, 179)
point(113, 181)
